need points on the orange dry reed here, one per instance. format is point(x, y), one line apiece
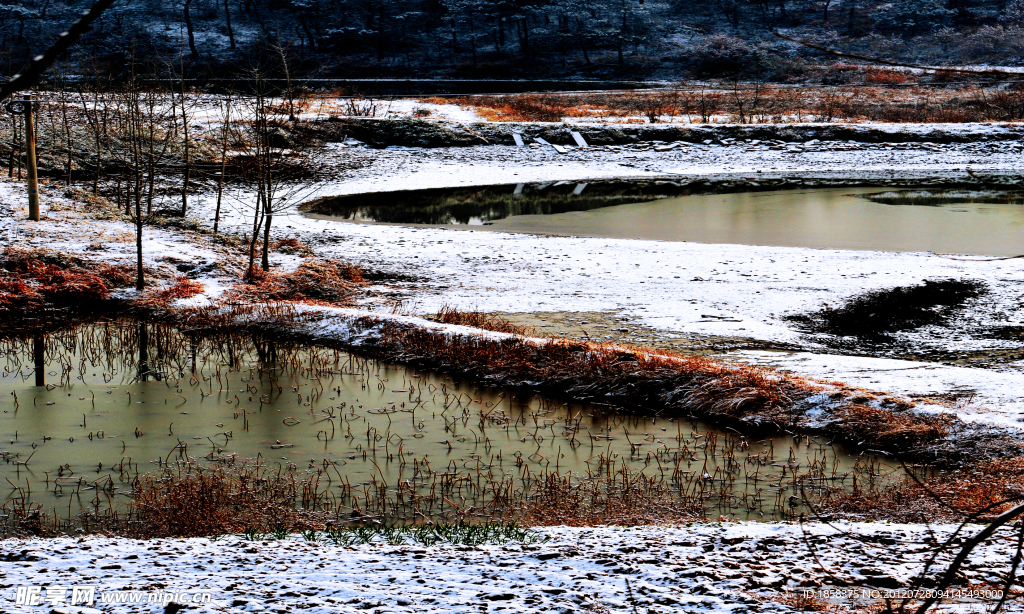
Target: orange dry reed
point(32, 279)
point(591, 370)
point(486, 321)
point(193, 500)
point(318, 280)
point(885, 76)
point(889, 427)
point(183, 287)
point(875, 100)
point(988, 488)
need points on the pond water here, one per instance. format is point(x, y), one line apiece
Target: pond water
point(944, 221)
point(85, 412)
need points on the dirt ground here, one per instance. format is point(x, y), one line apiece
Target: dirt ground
point(620, 328)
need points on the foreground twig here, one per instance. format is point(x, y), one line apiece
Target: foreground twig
point(41, 63)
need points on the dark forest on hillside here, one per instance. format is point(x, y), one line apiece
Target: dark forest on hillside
point(506, 39)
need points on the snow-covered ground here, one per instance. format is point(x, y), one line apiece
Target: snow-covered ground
point(683, 287)
point(715, 568)
point(669, 286)
point(736, 291)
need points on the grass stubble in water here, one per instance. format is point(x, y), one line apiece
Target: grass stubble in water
point(95, 415)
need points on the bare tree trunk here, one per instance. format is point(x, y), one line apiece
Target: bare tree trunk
point(67, 130)
point(227, 18)
point(289, 93)
point(188, 26)
point(265, 254)
point(188, 152)
point(309, 33)
point(151, 157)
point(223, 165)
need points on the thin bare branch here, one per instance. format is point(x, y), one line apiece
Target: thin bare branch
point(40, 64)
point(865, 58)
point(971, 544)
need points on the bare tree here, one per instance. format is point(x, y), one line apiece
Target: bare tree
point(280, 169)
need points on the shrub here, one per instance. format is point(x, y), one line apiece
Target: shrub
point(330, 281)
point(720, 54)
point(885, 76)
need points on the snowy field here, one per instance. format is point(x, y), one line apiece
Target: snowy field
point(682, 287)
point(674, 287)
point(715, 568)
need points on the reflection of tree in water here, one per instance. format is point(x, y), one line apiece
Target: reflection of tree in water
point(130, 351)
point(489, 203)
point(938, 198)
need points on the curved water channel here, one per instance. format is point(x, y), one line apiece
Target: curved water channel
point(84, 412)
point(986, 222)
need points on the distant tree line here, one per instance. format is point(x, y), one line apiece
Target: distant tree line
point(488, 38)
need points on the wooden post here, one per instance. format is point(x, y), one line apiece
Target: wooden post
point(33, 173)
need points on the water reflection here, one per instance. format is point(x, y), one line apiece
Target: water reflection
point(125, 397)
point(963, 222)
point(940, 198)
point(485, 204)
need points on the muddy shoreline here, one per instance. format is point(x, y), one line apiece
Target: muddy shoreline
point(433, 133)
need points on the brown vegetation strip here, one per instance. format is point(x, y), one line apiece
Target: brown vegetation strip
point(984, 489)
point(35, 281)
point(189, 499)
point(755, 104)
point(750, 399)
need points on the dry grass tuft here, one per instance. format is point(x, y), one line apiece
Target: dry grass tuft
point(193, 500)
point(885, 76)
point(891, 429)
point(522, 108)
point(32, 279)
point(476, 319)
point(183, 287)
point(291, 245)
point(328, 281)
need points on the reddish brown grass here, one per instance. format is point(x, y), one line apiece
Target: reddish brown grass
point(194, 501)
point(476, 319)
point(522, 108)
point(954, 496)
point(878, 101)
point(888, 427)
point(318, 280)
point(591, 370)
point(885, 76)
point(291, 245)
point(183, 287)
point(33, 279)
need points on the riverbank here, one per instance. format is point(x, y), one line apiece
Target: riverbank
point(922, 428)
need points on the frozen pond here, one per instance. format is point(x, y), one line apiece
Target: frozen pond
point(961, 222)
